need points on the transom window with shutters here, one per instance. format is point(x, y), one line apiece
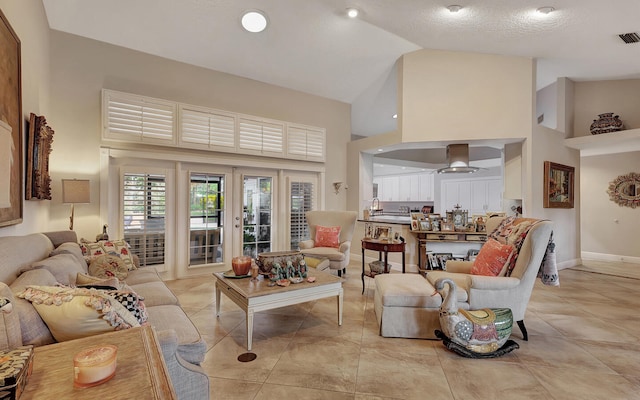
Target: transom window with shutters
point(133, 118)
point(144, 210)
point(136, 118)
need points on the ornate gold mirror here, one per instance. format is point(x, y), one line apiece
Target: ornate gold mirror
point(625, 190)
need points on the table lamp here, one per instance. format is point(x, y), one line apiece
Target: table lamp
point(75, 191)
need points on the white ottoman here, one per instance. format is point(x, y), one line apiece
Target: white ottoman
point(406, 306)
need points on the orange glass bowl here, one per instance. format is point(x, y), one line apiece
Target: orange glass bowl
point(241, 265)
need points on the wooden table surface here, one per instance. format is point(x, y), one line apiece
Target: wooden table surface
point(140, 372)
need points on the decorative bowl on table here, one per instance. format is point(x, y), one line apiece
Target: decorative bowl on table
point(296, 279)
point(241, 265)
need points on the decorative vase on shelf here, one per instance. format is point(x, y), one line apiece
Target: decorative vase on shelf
point(606, 123)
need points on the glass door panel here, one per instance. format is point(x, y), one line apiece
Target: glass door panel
point(257, 194)
point(206, 218)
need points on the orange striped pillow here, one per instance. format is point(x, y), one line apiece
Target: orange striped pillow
point(492, 258)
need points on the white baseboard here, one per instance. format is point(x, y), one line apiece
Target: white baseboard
point(569, 263)
point(586, 255)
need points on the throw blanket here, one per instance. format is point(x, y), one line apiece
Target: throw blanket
point(513, 230)
point(548, 272)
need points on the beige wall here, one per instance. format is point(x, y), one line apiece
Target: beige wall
point(621, 97)
point(609, 230)
point(82, 67)
point(28, 20)
point(602, 237)
point(465, 96)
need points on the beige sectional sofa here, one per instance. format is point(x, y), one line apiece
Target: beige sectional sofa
point(28, 260)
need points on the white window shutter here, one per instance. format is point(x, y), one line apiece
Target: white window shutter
point(272, 135)
point(297, 141)
point(250, 135)
point(207, 129)
point(315, 144)
point(136, 118)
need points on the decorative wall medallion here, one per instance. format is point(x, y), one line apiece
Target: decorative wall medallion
point(625, 190)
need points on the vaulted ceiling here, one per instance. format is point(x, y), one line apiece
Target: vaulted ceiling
point(313, 47)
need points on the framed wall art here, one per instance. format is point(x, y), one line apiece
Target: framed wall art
point(558, 185)
point(10, 125)
point(39, 139)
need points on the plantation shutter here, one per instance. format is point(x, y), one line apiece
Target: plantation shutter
point(250, 134)
point(209, 129)
point(136, 118)
point(144, 214)
point(302, 195)
point(297, 141)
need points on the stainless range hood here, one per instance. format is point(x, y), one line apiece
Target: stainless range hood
point(458, 160)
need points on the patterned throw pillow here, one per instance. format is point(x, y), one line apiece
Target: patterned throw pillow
point(73, 313)
point(108, 266)
point(493, 258)
point(327, 236)
point(119, 248)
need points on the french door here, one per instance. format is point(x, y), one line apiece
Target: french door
point(254, 224)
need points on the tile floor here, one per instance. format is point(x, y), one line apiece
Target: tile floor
point(584, 343)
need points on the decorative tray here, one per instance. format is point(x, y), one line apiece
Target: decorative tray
point(232, 275)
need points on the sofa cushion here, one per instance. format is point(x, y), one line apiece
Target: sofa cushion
point(107, 266)
point(17, 252)
point(10, 334)
point(34, 330)
point(72, 313)
point(143, 275)
point(73, 249)
point(64, 267)
point(155, 294)
point(190, 344)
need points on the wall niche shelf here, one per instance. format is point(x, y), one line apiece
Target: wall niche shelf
point(606, 143)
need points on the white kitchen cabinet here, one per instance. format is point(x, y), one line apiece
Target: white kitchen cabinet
point(476, 195)
point(408, 187)
point(426, 187)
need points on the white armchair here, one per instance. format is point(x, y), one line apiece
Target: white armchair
point(476, 291)
point(338, 257)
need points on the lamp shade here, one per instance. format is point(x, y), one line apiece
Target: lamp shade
point(76, 191)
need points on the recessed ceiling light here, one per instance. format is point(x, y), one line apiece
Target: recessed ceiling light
point(545, 10)
point(395, 116)
point(352, 12)
point(380, 150)
point(454, 8)
point(254, 21)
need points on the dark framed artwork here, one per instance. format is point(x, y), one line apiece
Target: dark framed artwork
point(10, 126)
point(39, 139)
point(558, 185)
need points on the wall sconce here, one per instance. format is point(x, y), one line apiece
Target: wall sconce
point(75, 191)
point(338, 185)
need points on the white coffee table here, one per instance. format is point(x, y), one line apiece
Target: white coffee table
point(253, 296)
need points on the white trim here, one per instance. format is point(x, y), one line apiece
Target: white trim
point(609, 257)
point(569, 263)
point(219, 159)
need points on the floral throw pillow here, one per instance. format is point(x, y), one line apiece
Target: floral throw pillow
point(327, 236)
point(119, 248)
point(108, 266)
point(493, 258)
